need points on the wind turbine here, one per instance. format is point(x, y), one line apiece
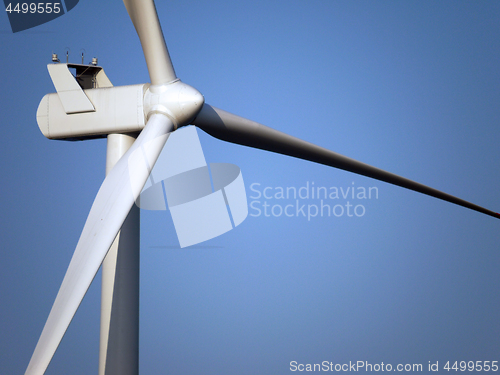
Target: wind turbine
point(165, 114)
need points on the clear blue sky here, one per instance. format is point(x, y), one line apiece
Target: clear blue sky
point(411, 87)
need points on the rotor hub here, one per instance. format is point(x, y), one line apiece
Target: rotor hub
point(177, 100)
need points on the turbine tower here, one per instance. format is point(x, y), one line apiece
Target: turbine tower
point(137, 120)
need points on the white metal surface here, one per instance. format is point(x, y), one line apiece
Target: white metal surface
point(177, 100)
point(119, 336)
point(102, 80)
point(118, 110)
point(73, 99)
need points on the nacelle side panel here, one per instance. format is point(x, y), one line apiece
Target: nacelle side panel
point(117, 110)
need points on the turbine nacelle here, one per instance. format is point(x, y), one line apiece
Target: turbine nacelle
point(81, 111)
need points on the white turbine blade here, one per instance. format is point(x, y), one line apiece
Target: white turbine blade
point(145, 19)
point(231, 128)
point(111, 206)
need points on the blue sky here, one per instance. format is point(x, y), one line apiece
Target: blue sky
point(411, 87)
